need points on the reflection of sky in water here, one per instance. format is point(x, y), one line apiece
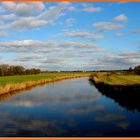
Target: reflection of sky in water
point(68, 108)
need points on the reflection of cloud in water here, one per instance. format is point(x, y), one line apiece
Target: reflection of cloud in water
point(30, 127)
point(22, 103)
point(44, 120)
point(109, 117)
point(56, 93)
point(50, 99)
point(123, 125)
point(85, 109)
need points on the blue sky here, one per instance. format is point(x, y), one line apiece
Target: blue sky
point(70, 36)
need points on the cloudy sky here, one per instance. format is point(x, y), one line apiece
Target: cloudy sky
point(70, 36)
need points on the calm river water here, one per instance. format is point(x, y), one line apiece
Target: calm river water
point(66, 108)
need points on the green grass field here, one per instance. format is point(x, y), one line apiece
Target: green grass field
point(24, 78)
point(119, 79)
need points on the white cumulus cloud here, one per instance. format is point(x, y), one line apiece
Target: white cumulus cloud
point(121, 17)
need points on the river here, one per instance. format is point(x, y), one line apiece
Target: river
point(72, 108)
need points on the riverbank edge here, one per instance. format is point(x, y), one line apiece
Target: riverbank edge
point(25, 85)
point(103, 87)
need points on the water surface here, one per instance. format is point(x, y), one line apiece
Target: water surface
point(67, 108)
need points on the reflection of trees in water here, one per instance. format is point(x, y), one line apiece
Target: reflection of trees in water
point(6, 96)
point(128, 98)
point(9, 95)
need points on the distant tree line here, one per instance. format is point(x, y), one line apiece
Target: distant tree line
point(136, 70)
point(9, 70)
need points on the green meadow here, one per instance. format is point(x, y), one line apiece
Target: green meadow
point(4, 80)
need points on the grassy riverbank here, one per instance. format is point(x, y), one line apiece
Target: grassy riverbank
point(114, 79)
point(15, 83)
